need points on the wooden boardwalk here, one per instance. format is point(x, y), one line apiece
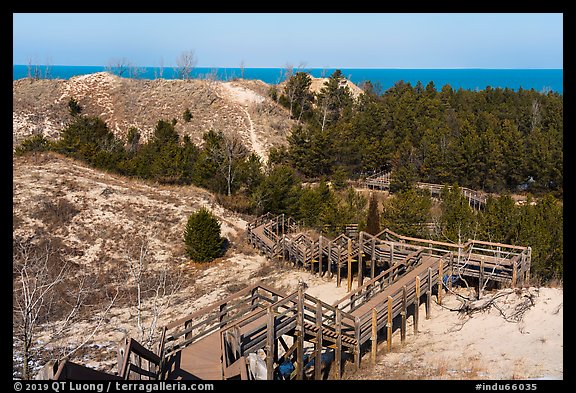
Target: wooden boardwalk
point(381, 181)
point(394, 274)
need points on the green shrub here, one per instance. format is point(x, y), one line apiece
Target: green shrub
point(33, 143)
point(74, 107)
point(202, 237)
point(187, 115)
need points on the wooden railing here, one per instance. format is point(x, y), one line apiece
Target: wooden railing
point(297, 311)
point(141, 363)
point(505, 263)
point(476, 200)
point(380, 283)
point(193, 327)
point(397, 302)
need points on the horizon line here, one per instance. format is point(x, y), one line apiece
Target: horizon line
point(314, 68)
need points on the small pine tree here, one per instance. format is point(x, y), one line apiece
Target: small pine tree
point(373, 219)
point(339, 178)
point(187, 115)
point(202, 237)
point(74, 107)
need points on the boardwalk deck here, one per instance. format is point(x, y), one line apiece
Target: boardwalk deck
point(407, 279)
point(203, 358)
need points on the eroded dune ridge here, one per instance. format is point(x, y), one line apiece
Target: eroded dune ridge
point(240, 106)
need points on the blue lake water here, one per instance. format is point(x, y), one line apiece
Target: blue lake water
point(467, 78)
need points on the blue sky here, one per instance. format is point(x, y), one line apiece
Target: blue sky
point(273, 40)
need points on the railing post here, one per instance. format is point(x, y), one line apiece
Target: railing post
point(329, 263)
point(417, 305)
point(450, 270)
point(374, 337)
point(349, 265)
point(360, 262)
point(309, 251)
point(515, 272)
point(403, 313)
point(222, 313)
point(253, 299)
point(429, 294)
point(338, 278)
point(338, 354)
point(440, 278)
point(187, 324)
point(270, 343)
point(481, 277)
point(300, 338)
point(318, 358)
point(526, 267)
point(373, 259)
point(389, 324)
point(320, 269)
point(283, 249)
point(357, 349)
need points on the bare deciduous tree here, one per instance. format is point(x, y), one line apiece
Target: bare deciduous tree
point(43, 287)
point(212, 81)
point(154, 291)
point(234, 150)
point(226, 151)
point(159, 73)
point(124, 67)
point(118, 66)
point(185, 64)
point(34, 281)
point(33, 69)
point(288, 71)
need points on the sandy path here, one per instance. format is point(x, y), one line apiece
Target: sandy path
point(256, 145)
point(247, 98)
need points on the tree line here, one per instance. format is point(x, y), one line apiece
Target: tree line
point(494, 139)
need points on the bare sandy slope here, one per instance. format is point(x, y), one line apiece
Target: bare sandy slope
point(109, 217)
point(241, 107)
point(483, 345)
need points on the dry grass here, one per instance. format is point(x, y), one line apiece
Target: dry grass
point(56, 214)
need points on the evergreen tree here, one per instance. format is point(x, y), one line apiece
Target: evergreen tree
point(297, 96)
point(458, 223)
point(35, 143)
point(407, 212)
point(333, 99)
point(373, 218)
point(278, 192)
point(187, 115)
point(74, 108)
point(202, 237)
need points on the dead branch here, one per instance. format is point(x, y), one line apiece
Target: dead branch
point(469, 308)
point(100, 320)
